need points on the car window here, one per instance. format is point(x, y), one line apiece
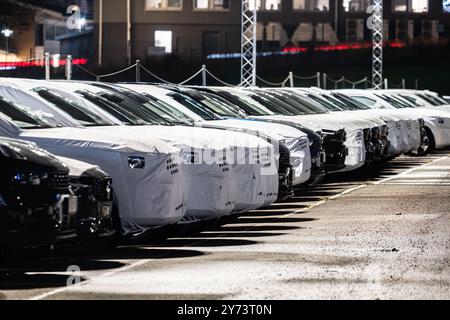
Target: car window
point(364, 100)
point(79, 113)
point(19, 116)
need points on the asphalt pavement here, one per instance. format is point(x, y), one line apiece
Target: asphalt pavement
point(380, 233)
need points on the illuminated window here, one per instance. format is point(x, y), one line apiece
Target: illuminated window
point(416, 6)
point(163, 4)
point(419, 6)
point(266, 5)
point(311, 5)
point(163, 39)
point(356, 5)
point(446, 6)
point(212, 5)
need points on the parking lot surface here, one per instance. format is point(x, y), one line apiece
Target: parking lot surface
point(380, 233)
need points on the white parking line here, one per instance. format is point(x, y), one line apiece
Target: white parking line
point(405, 173)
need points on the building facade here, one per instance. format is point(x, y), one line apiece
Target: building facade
point(138, 29)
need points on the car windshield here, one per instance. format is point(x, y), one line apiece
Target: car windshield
point(251, 106)
point(79, 113)
point(410, 99)
point(393, 101)
point(193, 105)
point(246, 106)
point(308, 104)
point(327, 104)
point(20, 117)
point(290, 104)
point(342, 104)
point(273, 104)
point(167, 108)
point(140, 111)
point(349, 102)
point(431, 99)
point(113, 109)
point(225, 107)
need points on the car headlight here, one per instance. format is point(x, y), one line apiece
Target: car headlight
point(29, 178)
point(10, 152)
point(136, 162)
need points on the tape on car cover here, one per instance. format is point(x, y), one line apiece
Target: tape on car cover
point(300, 158)
point(356, 150)
point(394, 136)
point(209, 190)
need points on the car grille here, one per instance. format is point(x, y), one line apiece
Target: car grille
point(103, 189)
point(60, 180)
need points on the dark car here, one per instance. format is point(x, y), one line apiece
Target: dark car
point(37, 206)
point(93, 187)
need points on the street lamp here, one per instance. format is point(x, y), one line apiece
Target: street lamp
point(7, 33)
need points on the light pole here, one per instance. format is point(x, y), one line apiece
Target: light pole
point(7, 33)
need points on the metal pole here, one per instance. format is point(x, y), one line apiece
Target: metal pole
point(386, 83)
point(291, 79)
point(69, 67)
point(138, 71)
point(417, 84)
point(203, 75)
point(318, 79)
point(377, 44)
point(128, 32)
point(324, 81)
point(7, 48)
point(248, 43)
point(366, 84)
point(100, 32)
point(47, 66)
point(403, 83)
point(336, 18)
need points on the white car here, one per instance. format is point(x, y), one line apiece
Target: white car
point(395, 131)
point(412, 135)
point(354, 142)
point(212, 189)
point(430, 106)
point(148, 183)
point(295, 140)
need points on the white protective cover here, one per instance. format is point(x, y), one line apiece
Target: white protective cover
point(208, 185)
point(295, 140)
point(77, 167)
point(148, 197)
point(410, 132)
point(355, 137)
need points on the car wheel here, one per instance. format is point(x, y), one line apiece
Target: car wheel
point(427, 145)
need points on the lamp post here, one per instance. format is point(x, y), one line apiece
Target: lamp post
point(7, 33)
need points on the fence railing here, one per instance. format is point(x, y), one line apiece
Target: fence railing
point(320, 80)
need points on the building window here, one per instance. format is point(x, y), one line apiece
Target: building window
point(163, 4)
point(212, 5)
point(415, 6)
point(163, 40)
point(311, 5)
point(356, 5)
point(446, 6)
point(266, 5)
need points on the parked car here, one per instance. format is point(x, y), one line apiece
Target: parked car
point(328, 152)
point(354, 137)
point(294, 167)
point(37, 207)
point(97, 217)
point(148, 183)
point(416, 123)
point(86, 104)
point(434, 111)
